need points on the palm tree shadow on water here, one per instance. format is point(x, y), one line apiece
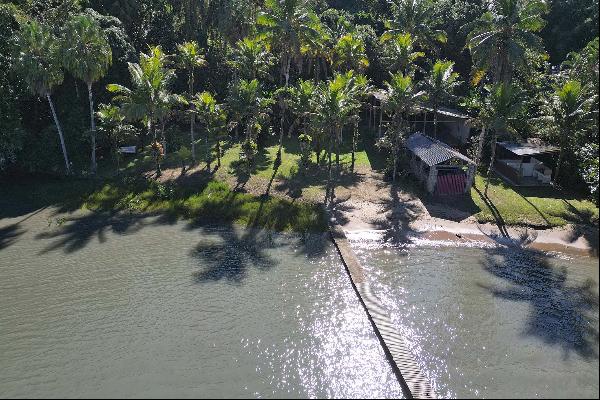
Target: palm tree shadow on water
point(563, 313)
point(237, 250)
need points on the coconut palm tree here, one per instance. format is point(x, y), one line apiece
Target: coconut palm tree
point(400, 55)
point(402, 99)
point(502, 105)
point(319, 50)
point(440, 86)
point(112, 126)
point(38, 62)
point(500, 39)
point(212, 117)
point(414, 17)
point(190, 58)
point(565, 114)
point(249, 107)
point(251, 58)
point(299, 102)
point(290, 23)
point(149, 93)
point(349, 54)
point(87, 55)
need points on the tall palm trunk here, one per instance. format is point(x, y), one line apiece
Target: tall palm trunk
point(480, 147)
point(337, 147)
point(561, 156)
point(424, 122)
point(192, 117)
point(435, 122)
point(208, 152)
point(218, 149)
point(162, 136)
point(60, 135)
point(354, 136)
point(93, 166)
point(492, 159)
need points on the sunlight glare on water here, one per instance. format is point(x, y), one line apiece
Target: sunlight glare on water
point(117, 306)
point(491, 322)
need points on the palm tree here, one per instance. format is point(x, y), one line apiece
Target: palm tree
point(400, 55)
point(87, 55)
point(440, 85)
point(149, 93)
point(402, 99)
point(111, 121)
point(212, 117)
point(249, 107)
point(565, 114)
point(319, 50)
point(415, 18)
point(290, 23)
point(501, 38)
point(39, 64)
point(336, 105)
point(299, 102)
point(502, 104)
point(190, 58)
point(349, 54)
point(251, 58)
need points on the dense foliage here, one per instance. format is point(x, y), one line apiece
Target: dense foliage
point(166, 74)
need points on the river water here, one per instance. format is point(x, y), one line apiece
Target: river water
point(111, 306)
point(106, 305)
point(491, 322)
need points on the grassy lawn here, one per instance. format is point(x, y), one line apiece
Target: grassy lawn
point(209, 202)
point(540, 207)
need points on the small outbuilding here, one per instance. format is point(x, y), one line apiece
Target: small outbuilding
point(440, 168)
point(523, 164)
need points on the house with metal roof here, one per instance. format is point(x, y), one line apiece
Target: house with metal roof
point(440, 168)
point(525, 164)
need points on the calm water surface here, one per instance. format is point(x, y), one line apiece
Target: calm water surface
point(492, 322)
point(114, 306)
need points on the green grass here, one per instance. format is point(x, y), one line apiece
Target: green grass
point(536, 206)
point(213, 202)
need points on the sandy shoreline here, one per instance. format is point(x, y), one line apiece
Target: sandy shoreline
point(408, 221)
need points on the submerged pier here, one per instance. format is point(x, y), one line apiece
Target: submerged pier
point(412, 380)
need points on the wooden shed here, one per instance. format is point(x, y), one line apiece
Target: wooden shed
point(440, 168)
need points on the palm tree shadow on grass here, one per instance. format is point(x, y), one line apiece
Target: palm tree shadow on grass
point(563, 314)
point(242, 172)
point(316, 175)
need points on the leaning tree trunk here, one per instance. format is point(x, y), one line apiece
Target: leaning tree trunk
point(60, 134)
point(93, 165)
point(492, 159)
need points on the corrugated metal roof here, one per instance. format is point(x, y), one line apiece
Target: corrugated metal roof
point(528, 149)
point(432, 151)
